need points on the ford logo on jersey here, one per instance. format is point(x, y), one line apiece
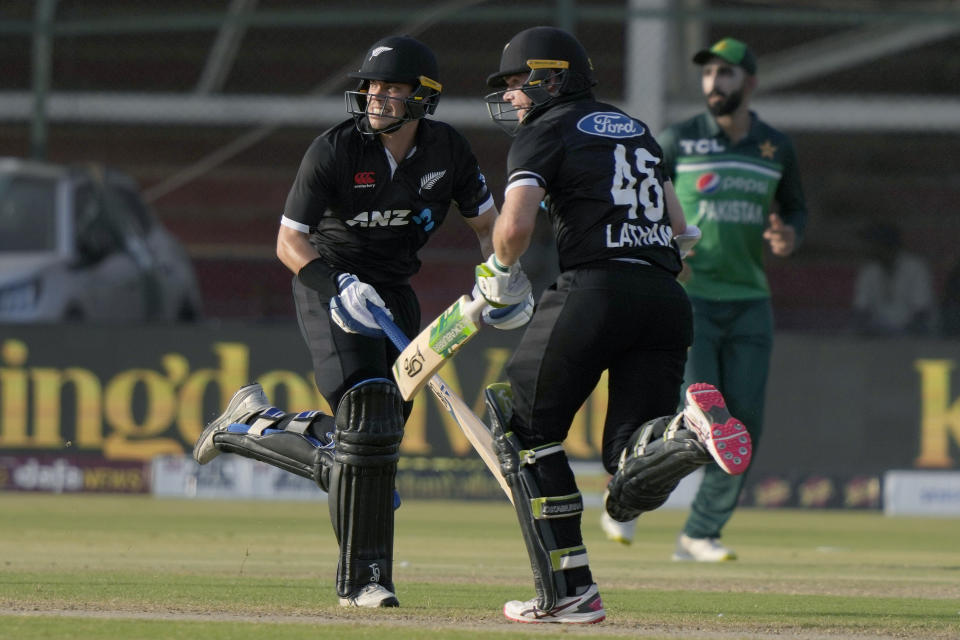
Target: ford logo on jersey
point(708, 182)
point(610, 124)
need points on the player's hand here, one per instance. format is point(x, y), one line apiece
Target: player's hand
point(687, 239)
point(512, 317)
point(781, 236)
point(349, 309)
point(501, 285)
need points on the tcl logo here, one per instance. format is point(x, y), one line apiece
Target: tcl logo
point(364, 178)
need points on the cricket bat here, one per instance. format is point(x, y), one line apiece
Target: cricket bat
point(427, 353)
point(472, 427)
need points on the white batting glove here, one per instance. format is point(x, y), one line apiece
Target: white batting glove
point(687, 239)
point(349, 309)
point(501, 285)
point(512, 317)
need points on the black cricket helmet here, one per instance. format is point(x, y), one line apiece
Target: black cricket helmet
point(396, 59)
point(558, 66)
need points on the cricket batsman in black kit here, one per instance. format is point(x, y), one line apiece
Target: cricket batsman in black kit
point(616, 306)
point(368, 195)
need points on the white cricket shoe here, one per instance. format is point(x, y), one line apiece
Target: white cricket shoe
point(621, 532)
point(373, 596)
point(702, 550)
point(250, 399)
point(587, 608)
point(705, 413)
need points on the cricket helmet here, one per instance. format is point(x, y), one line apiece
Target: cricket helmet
point(558, 66)
point(396, 59)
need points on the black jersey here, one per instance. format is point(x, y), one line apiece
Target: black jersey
point(603, 173)
point(369, 217)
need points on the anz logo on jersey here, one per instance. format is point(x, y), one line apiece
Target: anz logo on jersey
point(387, 218)
point(610, 124)
point(392, 218)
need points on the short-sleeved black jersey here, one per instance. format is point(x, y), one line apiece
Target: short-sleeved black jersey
point(369, 219)
point(603, 174)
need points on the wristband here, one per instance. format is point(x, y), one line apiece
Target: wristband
point(320, 277)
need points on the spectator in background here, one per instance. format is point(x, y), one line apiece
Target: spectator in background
point(893, 294)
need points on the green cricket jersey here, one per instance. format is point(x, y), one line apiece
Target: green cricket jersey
point(728, 191)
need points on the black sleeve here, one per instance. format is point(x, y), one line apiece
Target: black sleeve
point(470, 187)
point(313, 187)
point(536, 154)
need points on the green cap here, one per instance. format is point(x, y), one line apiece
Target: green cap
point(731, 50)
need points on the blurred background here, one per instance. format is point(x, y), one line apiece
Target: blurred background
point(202, 109)
point(209, 106)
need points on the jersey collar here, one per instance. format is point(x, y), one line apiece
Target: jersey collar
point(714, 131)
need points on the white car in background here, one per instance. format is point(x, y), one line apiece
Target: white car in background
point(78, 244)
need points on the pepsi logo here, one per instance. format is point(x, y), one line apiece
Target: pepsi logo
point(708, 182)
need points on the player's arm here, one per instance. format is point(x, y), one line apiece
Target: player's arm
point(298, 255)
point(482, 225)
point(294, 248)
point(516, 222)
point(306, 202)
point(785, 230)
point(674, 211)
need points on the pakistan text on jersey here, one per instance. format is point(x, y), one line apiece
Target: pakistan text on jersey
point(387, 218)
point(739, 211)
point(632, 235)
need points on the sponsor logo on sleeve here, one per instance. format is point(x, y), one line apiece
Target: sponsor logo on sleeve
point(610, 124)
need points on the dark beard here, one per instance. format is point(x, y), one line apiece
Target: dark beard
point(728, 105)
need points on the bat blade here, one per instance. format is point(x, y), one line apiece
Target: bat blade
point(472, 427)
point(427, 353)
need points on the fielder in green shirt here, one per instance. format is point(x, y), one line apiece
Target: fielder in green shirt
point(738, 181)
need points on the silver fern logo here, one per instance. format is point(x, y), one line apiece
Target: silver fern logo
point(430, 179)
point(379, 50)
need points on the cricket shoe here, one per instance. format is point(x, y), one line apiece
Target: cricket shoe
point(621, 532)
point(587, 608)
point(372, 596)
point(249, 400)
point(702, 550)
point(724, 436)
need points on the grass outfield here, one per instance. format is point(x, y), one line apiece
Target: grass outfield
point(83, 566)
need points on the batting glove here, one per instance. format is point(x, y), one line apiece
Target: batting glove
point(687, 239)
point(512, 317)
point(501, 285)
point(349, 309)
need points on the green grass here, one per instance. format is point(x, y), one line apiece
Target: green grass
point(123, 567)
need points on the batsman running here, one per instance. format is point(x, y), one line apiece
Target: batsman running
point(369, 194)
point(616, 306)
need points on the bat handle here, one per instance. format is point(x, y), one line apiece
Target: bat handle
point(475, 307)
point(395, 333)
